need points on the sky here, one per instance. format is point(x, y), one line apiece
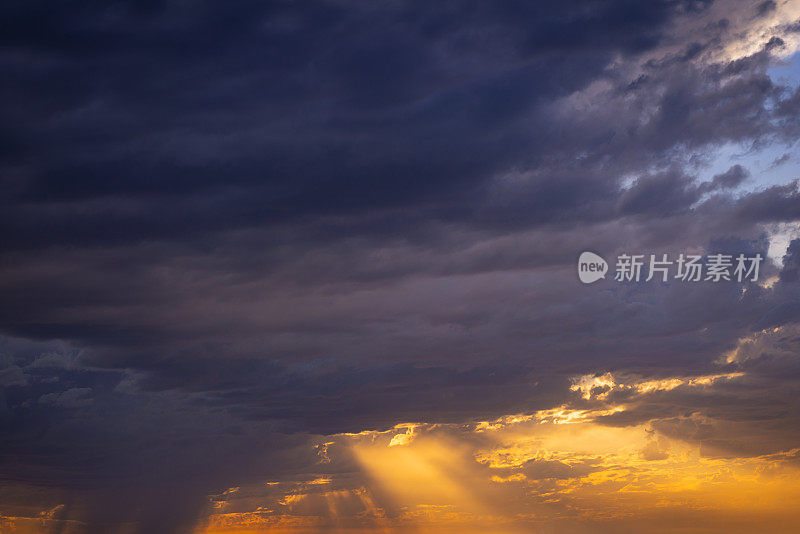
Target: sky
point(310, 267)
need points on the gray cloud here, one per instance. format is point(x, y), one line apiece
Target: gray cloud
point(226, 232)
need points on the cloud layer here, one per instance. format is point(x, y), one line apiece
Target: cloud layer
point(241, 245)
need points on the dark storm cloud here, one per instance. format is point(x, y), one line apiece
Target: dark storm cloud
point(777, 203)
point(765, 7)
point(731, 178)
point(245, 225)
point(663, 194)
point(276, 111)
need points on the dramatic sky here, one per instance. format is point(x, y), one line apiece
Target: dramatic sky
point(309, 266)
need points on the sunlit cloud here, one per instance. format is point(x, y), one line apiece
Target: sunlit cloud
point(599, 387)
point(557, 468)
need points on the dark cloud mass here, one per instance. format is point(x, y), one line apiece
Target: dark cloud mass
point(228, 231)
